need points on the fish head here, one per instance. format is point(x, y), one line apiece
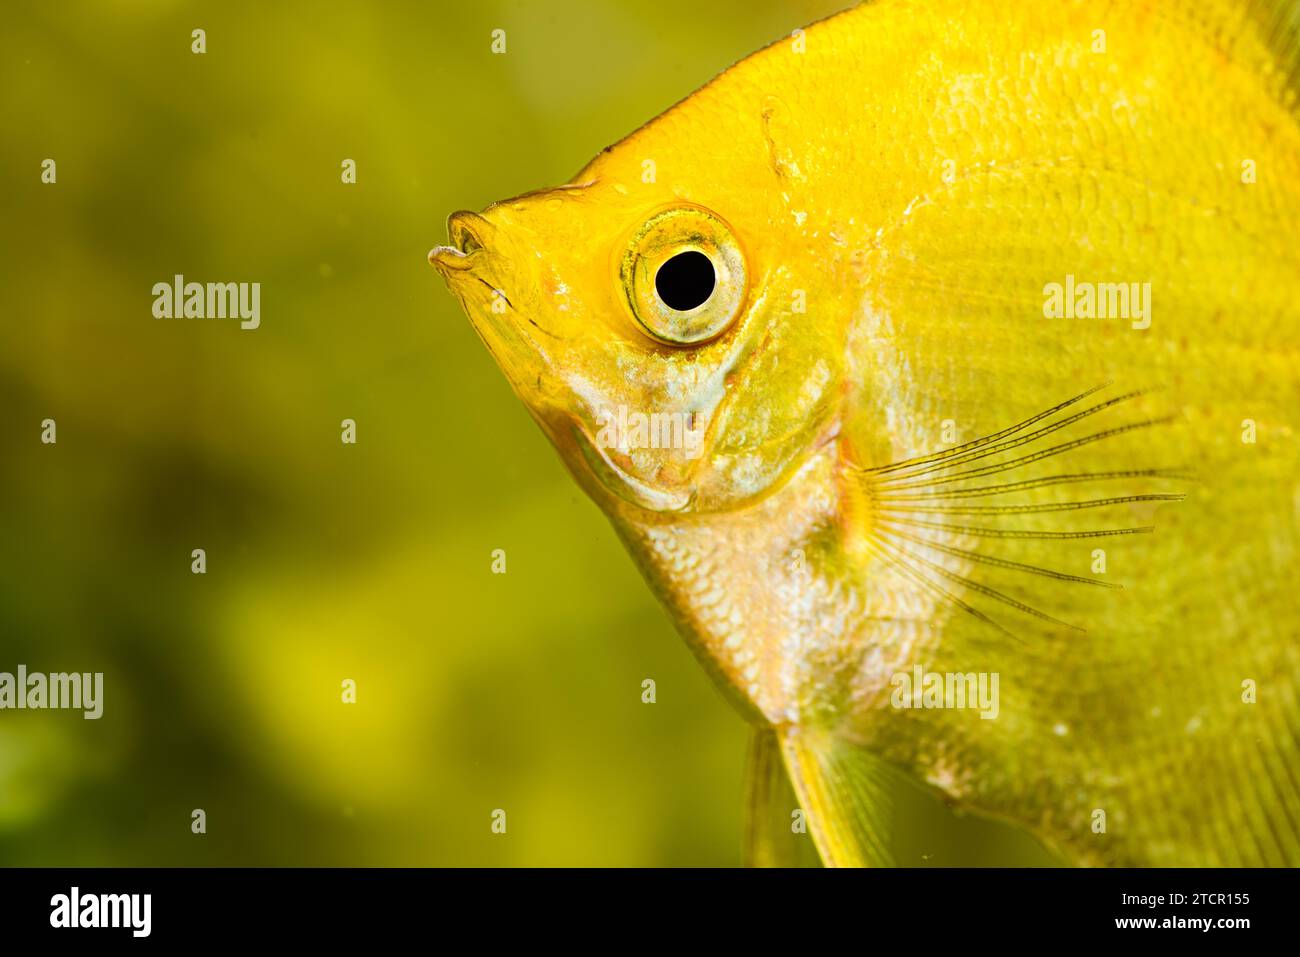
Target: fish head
point(658, 331)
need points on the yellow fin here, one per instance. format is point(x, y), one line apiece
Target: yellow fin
point(1279, 26)
point(843, 790)
point(770, 804)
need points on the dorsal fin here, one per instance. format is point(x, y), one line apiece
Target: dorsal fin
point(1260, 36)
point(1278, 22)
point(1264, 35)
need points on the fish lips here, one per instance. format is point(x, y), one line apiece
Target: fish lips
point(483, 280)
point(474, 258)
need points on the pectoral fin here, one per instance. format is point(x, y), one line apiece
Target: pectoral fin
point(843, 791)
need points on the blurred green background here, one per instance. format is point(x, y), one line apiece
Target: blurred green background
point(328, 561)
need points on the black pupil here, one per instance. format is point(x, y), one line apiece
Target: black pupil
point(685, 281)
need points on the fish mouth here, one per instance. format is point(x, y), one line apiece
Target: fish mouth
point(473, 252)
point(450, 258)
point(478, 266)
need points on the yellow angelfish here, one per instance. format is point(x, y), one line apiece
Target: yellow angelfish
point(940, 367)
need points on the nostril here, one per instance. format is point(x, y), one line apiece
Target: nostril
point(468, 236)
point(467, 231)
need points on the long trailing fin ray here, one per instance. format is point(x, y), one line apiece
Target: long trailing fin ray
point(1007, 488)
point(1032, 457)
point(1004, 563)
point(986, 532)
point(1040, 509)
point(769, 838)
point(983, 589)
point(913, 504)
point(1007, 445)
point(985, 439)
point(942, 592)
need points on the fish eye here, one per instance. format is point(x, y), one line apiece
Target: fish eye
point(686, 281)
point(684, 276)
